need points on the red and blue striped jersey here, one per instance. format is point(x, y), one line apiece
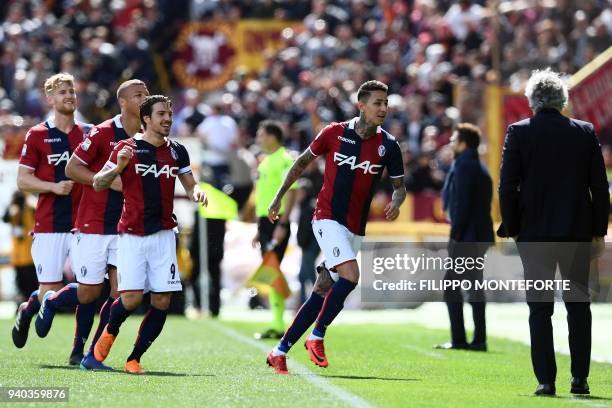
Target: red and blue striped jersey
point(148, 185)
point(353, 166)
point(46, 151)
point(99, 211)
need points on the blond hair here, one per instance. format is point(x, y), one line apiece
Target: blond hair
point(53, 82)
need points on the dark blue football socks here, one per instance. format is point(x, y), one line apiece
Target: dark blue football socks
point(333, 304)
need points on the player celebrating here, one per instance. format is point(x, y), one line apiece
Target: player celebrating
point(148, 166)
point(94, 250)
point(47, 148)
point(357, 151)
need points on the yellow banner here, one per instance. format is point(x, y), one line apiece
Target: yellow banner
point(207, 54)
point(254, 38)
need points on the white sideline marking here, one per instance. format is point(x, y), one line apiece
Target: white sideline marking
point(351, 399)
point(423, 352)
point(590, 403)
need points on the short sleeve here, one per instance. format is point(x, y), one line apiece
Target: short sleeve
point(395, 164)
point(183, 161)
point(112, 160)
point(320, 145)
point(30, 154)
point(87, 150)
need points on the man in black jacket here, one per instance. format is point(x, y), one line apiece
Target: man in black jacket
point(467, 197)
point(553, 192)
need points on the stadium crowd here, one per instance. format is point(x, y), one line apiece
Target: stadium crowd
point(419, 48)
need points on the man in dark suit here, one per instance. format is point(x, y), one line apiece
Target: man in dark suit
point(467, 197)
point(553, 192)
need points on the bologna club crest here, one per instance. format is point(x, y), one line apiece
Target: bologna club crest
point(205, 55)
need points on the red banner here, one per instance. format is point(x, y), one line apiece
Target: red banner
point(515, 107)
point(591, 99)
point(205, 55)
point(208, 53)
point(428, 207)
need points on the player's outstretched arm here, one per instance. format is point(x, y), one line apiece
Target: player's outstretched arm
point(292, 175)
point(29, 183)
point(399, 195)
point(192, 189)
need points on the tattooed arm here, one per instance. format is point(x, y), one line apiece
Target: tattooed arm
point(294, 172)
point(104, 178)
point(398, 197)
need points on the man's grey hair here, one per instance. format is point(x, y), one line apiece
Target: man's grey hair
point(546, 89)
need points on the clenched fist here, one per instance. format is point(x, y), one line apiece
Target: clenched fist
point(124, 156)
point(63, 187)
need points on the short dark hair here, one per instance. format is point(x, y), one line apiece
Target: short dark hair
point(272, 127)
point(146, 107)
point(468, 133)
point(125, 85)
point(366, 89)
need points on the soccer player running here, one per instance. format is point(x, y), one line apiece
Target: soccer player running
point(46, 151)
point(356, 153)
point(148, 165)
point(94, 251)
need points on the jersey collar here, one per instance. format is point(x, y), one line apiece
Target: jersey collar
point(51, 123)
point(139, 136)
point(118, 124)
point(117, 120)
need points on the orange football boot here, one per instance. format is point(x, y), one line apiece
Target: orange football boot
point(104, 344)
point(133, 367)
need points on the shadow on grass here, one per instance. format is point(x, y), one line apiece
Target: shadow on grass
point(148, 373)
point(571, 397)
point(586, 397)
point(358, 377)
point(168, 374)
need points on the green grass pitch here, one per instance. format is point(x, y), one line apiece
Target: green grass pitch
point(216, 364)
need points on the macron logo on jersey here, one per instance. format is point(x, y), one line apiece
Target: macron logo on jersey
point(56, 158)
point(367, 168)
point(344, 139)
point(166, 170)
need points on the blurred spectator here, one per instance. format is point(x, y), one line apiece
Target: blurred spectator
point(20, 216)
point(423, 176)
point(219, 133)
point(242, 164)
point(463, 18)
point(190, 115)
point(415, 126)
point(422, 49)
point(135, 58)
